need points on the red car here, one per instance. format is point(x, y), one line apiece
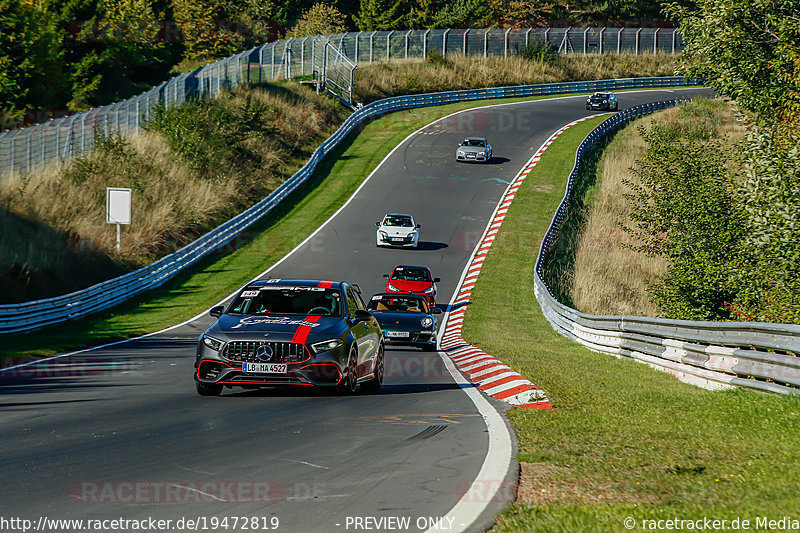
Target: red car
point(414, 280)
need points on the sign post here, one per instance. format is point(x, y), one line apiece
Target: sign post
point(118, 208)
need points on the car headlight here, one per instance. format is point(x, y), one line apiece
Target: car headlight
point(412, 234)
point(461, 152)
point(392, 287)
point(211, 342)
point(429, 290)
point(327, 345)
point(382, 233)
point(426, 322)
point(605, 101)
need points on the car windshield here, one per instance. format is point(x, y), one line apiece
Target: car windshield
point(411, 274)
point(600, 96)
point(411, 304)
point(475, 142)
point(403, 222)
point(288, 301)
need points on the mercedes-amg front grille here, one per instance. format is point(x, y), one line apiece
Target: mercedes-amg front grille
point(264, 352)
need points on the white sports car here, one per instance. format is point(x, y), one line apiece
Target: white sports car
point(397, 230)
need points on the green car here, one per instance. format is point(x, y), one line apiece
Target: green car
point(405, 319)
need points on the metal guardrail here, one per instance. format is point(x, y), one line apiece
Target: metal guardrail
point(331, 59)
point(40, 313)
point(713, 355)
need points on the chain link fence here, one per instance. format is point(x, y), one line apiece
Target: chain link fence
point(329, 60)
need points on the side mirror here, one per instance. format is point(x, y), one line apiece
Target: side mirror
point(386, 276)
point(437, 280)
point(436, 311)
point(217, 311)
point(417, 226)
point(378, 224)
point(361, 315)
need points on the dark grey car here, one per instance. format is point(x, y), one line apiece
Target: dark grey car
point(405, 319)
point(291, 333)
point(474, 149)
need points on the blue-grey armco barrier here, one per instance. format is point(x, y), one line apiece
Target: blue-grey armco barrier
point(37, 314)
point(712, 355)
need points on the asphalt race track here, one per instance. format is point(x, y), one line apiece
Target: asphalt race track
point(119, 432)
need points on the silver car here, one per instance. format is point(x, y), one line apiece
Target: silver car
point(474, 149)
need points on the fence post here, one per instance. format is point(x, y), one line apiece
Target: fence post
point(464, 43)
point(505, 43)
point(272, 63)
point(389, 36)
point(83, 127)
point(527, 36)
point(425, 44)
point(485, 42)
point(602, 31)
point(655, 40)
point(639, 31)
point(407, 34)
point(42, 141)
point(674, 34)
point(287, 53)
point(619, 40)
point(355, 48)
point(547, 36)
point(11, 148)
point(444, 42)
point(371, 47)
point(28, 151)
point(584, 40)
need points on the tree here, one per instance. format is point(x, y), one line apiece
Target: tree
point(747, 50)
point(320, 19)
point(29, 69)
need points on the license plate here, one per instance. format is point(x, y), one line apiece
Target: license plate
point(397, 239)
point(471, 156)
point(397, 334)
point(264, 368)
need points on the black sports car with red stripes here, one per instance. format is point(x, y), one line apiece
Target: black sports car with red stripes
point(291, 333)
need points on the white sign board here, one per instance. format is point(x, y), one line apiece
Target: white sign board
point(118, 205)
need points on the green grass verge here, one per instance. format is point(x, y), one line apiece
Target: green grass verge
point(624, 440)
point(205, 284)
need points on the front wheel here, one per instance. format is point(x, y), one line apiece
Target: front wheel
point(374, 385)
point(208, 389)
point(349, 380)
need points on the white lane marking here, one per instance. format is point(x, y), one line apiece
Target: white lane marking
point(308, 464)
point(199, 491)
point(196, 471)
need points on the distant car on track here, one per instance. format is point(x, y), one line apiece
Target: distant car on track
point(291, 333)
point(397, 230)
point(405, 319)
point(475, 149)
point(600, 100)
point(411, 279)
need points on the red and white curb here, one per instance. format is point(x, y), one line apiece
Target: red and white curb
point(490, 375)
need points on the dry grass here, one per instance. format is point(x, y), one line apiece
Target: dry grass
point(54, 238)
point(609, 279)
point(381, 80)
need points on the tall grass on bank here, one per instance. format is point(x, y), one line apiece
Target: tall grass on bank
point(609, 277)
point(197, 165)
point(381, 80)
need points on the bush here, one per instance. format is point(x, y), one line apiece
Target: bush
point(540, 52)
point(436, 57)
point(685, 209)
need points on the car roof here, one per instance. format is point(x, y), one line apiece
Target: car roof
point(602, 93)
point(411, 266)
point(294, 283)
point(475, 139)
point(397, 295)
point(396, 215)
